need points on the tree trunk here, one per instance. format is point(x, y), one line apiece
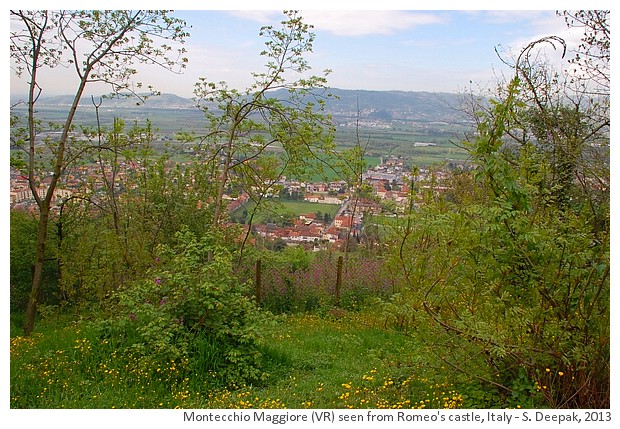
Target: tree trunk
point(219, 203)
point(45, 203)
point(37, 275)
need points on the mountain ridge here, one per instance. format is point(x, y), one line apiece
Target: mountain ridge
point(379, 105)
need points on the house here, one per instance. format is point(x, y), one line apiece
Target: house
point(342, 222)
point(313, 198)
point(307, 217)
point(330, 235)
point(316, 187)
point(337, 185)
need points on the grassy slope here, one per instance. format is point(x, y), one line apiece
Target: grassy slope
point(348, 361)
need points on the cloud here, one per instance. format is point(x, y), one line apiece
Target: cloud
point(260, 16)
point(510, 16)
point(369, 22)
point(436, 43)
point(541, 29)
point(353, 22)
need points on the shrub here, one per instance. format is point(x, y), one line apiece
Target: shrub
point(191, 311)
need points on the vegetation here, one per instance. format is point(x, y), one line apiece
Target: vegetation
point(96, 53)
point(489, 291)
point(311, 362)
point(245, 125)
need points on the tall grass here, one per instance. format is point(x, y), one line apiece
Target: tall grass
point(342, 361)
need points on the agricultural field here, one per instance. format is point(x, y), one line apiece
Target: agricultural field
point(400, 139)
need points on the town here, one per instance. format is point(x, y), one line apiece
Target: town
point(387, 192)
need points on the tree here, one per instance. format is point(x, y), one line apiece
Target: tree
point(244, 126)
point(591, 78)
point(512, 289)
point(351, 165)
point(511, 273)
point(563, 116)
point(23, 228)
point(592, 56)
point(99, 47)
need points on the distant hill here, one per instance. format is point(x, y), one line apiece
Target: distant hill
point(376, 105)
point(396, 105)
point(163, 101)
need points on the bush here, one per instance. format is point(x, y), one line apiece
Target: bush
point(512, 277)
point(191, 311)
point(527, 301)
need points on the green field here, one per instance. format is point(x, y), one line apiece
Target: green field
point(283, 209)
point(398, 140)
point(303, 207)
point(329, 174)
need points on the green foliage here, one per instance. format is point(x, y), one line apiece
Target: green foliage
point(246, 125)
point(520, 285)
point(23, 236)
point(110, 232)
point(101, 46)
point(168, 198)
point(188, 309)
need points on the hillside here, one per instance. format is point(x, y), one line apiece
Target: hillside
point(379, 105)
point(163, 101)
point(397, 105)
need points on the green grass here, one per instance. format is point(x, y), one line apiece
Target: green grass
point(324, 362)
point(344, 361)
point(328, 174)
point(291, 207)
point(304, 207)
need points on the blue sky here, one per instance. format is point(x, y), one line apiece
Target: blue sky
point(379, 49)
point(373, 49)
point(391, 49)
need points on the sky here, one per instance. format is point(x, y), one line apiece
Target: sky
point(396, 48)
